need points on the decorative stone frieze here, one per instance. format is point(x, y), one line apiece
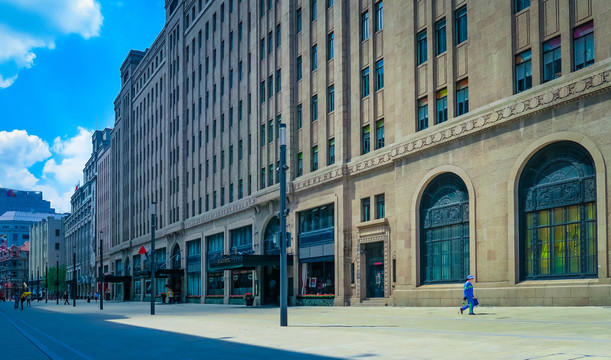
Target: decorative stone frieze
point(516, 107)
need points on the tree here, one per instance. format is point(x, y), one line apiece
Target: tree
point(52, 276)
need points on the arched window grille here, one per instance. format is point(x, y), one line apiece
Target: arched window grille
point(558, 214)
point(444, 231)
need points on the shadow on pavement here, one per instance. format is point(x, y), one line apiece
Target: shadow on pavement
point(97, 336)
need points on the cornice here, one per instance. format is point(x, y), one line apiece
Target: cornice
point(223, 211)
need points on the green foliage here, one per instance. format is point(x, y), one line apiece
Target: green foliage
point(52, 276)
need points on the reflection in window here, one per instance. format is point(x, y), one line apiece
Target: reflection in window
point(558, 213)
point(552, 59)
point(583, 45)
point(523, 71)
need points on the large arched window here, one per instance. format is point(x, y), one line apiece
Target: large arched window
point(176, 257)
point(444, 231)
point(271, 237)
point(558, 214)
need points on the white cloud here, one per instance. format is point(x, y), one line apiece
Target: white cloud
point(46, 20)
point(75, 152)
point(4, 83)
point(63, 164)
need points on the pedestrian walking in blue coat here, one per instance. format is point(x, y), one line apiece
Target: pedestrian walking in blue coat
point(468, 295)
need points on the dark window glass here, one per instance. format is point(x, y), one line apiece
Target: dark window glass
point(461, 25)
point(365, 209)
point(366, 141)
point(421, 44)
point(552, 59)
point(380, 207)
point(365, 82)
point(379, 16)
point(299, 116)
point(298, 20)
point(331, 159)
point(379, 134)
point(330, 48)
point(583, 45)
point(440, 37)
point(299, 68)
point(423, 113)
point(314, 57)
point(462, 97)
point(442, 106)
point(365, 26)
point(314, 114)
point(314, 158)
point(299, 164)
point(331, 98)
point(379, 74)
point(523, 71)
point(521, 5)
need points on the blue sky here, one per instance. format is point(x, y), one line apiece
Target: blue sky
point(59, 75)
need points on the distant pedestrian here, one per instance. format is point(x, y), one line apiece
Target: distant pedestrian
point(16, 298)
point(22, 300)
point(170, 296)
point(28, 300)
point(96, 296)
point(468, 295)
point(66, 302)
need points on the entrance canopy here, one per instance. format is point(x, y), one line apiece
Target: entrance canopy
point(245, 262)
point(116, 279)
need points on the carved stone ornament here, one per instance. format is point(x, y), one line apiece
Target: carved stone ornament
point(597, 80)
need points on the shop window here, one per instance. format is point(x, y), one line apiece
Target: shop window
point(319, 278)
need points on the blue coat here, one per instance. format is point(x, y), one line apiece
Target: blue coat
point(468, 292)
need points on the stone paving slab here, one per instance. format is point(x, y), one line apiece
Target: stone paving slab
point(548, 333)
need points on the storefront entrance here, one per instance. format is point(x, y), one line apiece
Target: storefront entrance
point(375, 270)
point(271, 285)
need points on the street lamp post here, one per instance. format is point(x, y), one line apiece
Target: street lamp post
point(46, 283)
point(101, 273)
point(74, 276)
point(153, 206)
point(283, 265)
point(57, 281)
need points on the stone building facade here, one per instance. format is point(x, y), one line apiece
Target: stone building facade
point(47, 248)
point(428, 140)
point(81, 226)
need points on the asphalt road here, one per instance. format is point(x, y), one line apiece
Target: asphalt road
point(193, 331)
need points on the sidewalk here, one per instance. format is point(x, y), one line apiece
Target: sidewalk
point(372, 332)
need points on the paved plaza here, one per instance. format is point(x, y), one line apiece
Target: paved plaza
point(194, 331)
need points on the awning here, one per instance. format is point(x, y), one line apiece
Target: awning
point(116, 279)
point(160, 273)
point(246, 262)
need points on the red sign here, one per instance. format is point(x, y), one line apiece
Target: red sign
point(142, 250)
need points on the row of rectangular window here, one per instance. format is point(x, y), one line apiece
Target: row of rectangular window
point(441, 105)
point(314, 157)
point(378, 23)
point(379, 78)
point(380, 208)
point(313, 13)
point(461, 36)
point(583, 56)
